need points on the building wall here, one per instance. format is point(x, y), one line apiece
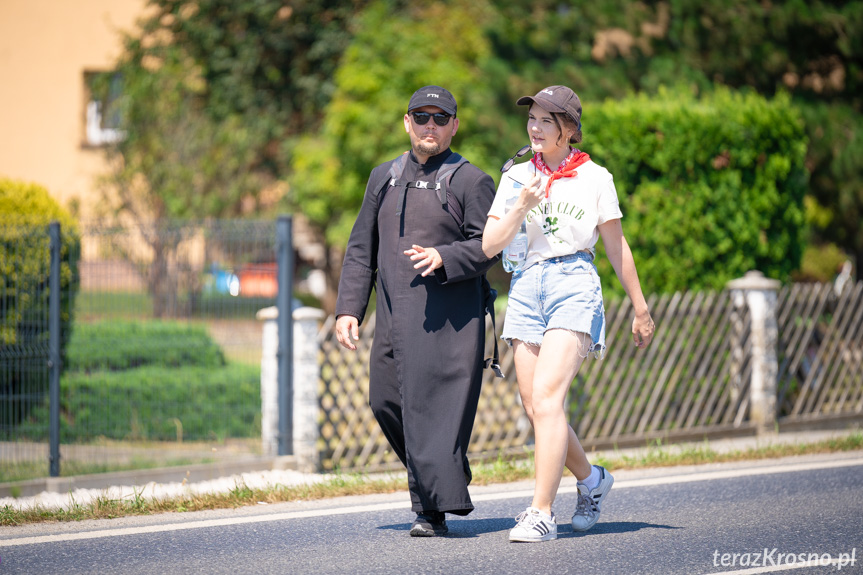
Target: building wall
point(46, 46)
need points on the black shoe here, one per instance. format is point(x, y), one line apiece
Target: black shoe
point(429, 524)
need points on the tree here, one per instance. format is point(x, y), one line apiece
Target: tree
point(394, 52)
point(210, 91)
point(270, 87)
point(173, 163)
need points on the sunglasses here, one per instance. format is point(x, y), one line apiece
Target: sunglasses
point(508, 164)
point(422, 118)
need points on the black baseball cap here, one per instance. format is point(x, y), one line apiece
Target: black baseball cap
point(433, 96)
point(559, 99)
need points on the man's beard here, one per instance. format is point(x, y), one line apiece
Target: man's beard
point(432, 149)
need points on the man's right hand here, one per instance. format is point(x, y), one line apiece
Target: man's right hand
point(347, 328)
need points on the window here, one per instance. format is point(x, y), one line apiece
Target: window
point(102, 118)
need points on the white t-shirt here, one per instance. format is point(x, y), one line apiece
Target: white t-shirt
point(565, 222)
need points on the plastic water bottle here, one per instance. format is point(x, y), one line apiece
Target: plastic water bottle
point(515, 253)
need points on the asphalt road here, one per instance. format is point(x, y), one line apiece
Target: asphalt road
point(753, 517)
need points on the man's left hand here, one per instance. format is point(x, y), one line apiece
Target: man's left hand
point(428, 258)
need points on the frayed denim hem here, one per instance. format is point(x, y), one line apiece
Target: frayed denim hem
point(508, 340)
point(597, 349)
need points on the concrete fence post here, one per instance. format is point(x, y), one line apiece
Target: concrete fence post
point(759, 294)
point(306, 375)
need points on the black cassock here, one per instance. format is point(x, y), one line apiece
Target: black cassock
point(427, 356)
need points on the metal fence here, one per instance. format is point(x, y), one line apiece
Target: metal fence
point(163, 359)
point(29, 361)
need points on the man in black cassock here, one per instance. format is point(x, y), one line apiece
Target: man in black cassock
point(422, 252)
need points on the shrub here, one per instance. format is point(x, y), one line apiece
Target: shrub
point(151, 380)
point(119, 345)
point(26, 210)
point(157, 403)
point(710, 188)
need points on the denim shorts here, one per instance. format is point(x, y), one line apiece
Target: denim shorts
point(562, 292)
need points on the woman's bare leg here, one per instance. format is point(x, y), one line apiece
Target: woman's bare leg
point(544, 376)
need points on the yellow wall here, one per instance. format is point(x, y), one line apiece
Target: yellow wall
point(45, 48)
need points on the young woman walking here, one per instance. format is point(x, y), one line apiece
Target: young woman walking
point(555, 317)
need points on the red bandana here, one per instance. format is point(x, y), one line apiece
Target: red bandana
point(565, 170)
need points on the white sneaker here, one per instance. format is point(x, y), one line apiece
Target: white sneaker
point(589, 501)
point(533, 525)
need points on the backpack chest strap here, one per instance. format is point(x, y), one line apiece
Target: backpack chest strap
point(419, 185)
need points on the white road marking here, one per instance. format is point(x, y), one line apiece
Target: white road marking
point(623, 484)
point(772, 568)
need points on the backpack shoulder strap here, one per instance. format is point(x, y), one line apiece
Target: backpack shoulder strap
point(442, 181)
point(394, 179)
point(446, 171)
point(397, 168)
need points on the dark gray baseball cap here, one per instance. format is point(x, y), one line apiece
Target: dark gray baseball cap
point(433, 96)
point(558, 99)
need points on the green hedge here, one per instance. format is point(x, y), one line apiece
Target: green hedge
point(710, 187)
point(150, 380)
point(118, 345)
point(147, 403)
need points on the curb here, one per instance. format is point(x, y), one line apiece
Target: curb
point(188, 473)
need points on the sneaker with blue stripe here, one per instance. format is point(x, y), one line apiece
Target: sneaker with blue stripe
point(533, 525)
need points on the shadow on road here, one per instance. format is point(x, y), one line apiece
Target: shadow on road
point(475, 527)
point(565, 530)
